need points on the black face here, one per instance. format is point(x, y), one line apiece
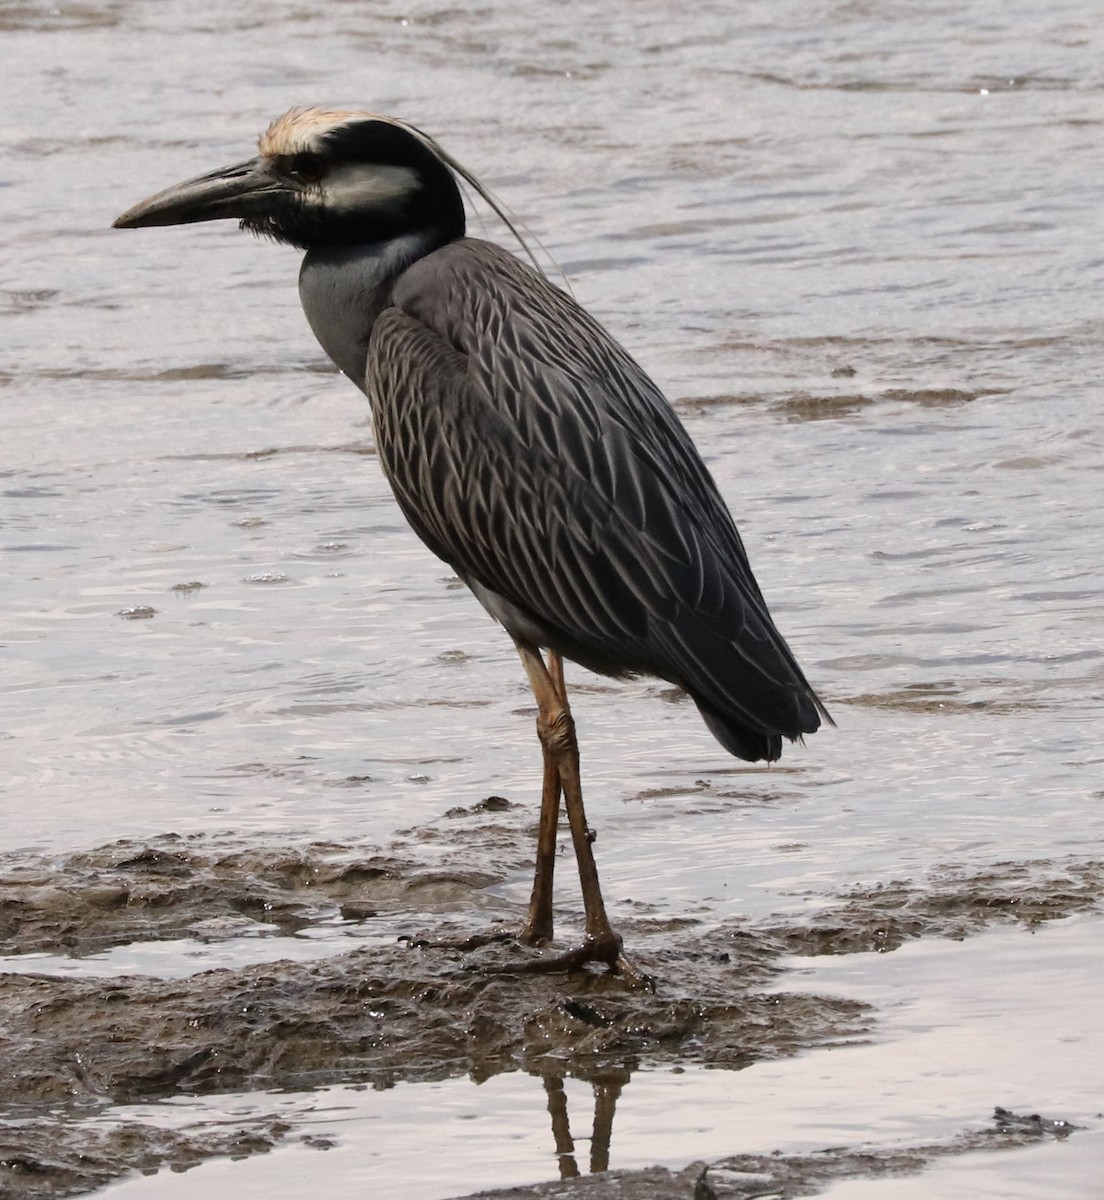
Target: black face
point(335, 197)
point(361, 182)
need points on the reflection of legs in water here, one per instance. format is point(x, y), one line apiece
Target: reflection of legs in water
point(605, 1101)
point(561, 1130)
point(607, 1087)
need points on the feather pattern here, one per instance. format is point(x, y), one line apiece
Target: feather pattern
point(529, 451)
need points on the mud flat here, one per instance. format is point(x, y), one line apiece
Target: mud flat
point(73, 1046)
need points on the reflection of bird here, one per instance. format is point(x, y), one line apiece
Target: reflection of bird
point(524, 446)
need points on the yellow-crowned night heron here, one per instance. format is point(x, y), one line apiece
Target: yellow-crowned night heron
point(524, 446)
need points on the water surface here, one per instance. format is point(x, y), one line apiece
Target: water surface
point(859, 247)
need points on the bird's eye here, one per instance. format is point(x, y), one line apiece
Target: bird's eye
point(308, 168)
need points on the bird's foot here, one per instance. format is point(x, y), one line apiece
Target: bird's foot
point(593, 949)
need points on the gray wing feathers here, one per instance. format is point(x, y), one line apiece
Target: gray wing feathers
point(529, 451)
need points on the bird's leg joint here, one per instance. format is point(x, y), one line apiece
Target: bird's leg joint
point(556, 731)
point(603, 945)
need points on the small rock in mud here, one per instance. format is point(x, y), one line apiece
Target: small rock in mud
point(1034, 1125)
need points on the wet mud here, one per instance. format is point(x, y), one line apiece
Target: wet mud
point(831, 405)
point(390, 1011)
point(780, 1176)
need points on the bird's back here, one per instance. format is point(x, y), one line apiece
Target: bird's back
point(532, 453)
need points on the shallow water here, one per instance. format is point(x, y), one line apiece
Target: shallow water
point(858, 246)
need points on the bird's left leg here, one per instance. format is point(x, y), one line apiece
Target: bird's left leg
point(537, 927)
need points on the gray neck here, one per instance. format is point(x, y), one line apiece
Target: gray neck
point(344, 289)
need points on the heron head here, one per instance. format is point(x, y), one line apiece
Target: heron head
point(323, 177)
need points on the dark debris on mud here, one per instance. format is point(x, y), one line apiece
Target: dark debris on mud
point(386, 1012)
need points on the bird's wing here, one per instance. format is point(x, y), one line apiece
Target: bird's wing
point(529, 451)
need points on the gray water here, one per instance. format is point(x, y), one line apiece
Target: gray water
point(859, 247)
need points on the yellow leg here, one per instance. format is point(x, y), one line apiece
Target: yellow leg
point(561, 776)
point(537, 929)
point(557, 733)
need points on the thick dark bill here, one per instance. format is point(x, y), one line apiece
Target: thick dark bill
point(228, 192)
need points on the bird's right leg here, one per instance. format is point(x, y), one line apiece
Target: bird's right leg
point(537, 929)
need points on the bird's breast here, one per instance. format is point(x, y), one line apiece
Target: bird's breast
point(343, 290)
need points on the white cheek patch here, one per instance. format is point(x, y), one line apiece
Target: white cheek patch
point(366, 186)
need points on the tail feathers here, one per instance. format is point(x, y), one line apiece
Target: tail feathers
point(753, 745)
point(738, 739)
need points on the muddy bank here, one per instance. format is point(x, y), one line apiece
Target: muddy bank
point(388, 1011)
point(50, 1159)
point(71, 1048)
point(217, 887)
point(214, 888)
point(780, 1176)
point(385, 1014)
point(953, 902)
